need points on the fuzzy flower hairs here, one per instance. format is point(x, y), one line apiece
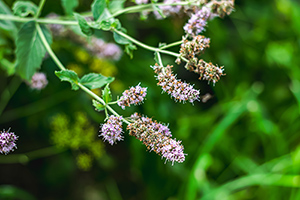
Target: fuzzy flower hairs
point(133, 96)
point(179, 90)
point(155, 136)
point(7, 141)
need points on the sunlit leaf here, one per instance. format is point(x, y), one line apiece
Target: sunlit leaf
point(69, 6)
point(116, 5)
point(30, 50)
point(6, 25)
point(93, 80)
point(70, 76)
point(98, 7)
point(84, 26)
point(98, 106)
point(129, 48)
point(24, 8)
point(120, 39)
point(106, 94)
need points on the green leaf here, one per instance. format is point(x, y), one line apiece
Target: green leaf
point(8, 26)
point(106, 16)
point(70, 76)
point(116, 5)
point(98, 106)
point(84, 26)
point(93, 80)
point(120, 39)
point(24, 8)
point(7, 66)
point(129, 48)
point(69, 6)
point(30, 50)
point(98, 7)
point(106, 94)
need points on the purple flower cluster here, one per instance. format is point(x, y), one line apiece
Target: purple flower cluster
point(104, 50)
point(190, 49)
point(38, 81)
point(141, 1)
point(181, 91)
point(146, 131)
point(7, 141)
point(135, 95)
point(197, 22)
point(112, 130)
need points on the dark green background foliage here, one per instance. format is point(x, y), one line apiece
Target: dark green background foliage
point(242, 144)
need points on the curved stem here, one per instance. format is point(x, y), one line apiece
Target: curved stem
point(139, 8)
point(144, 45)
point(60, 66)
point(171, 45)
point(41, 5)
point(40, 21)
point(159, 59)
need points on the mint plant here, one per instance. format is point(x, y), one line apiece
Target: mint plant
point(33, 42)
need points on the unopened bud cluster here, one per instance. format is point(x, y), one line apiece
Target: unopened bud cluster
point(133, 96)
point(7, 141)
point(181, 91)
point(207, 71)
point(112, 130)
point(190, 49)
point(153, 124)
point(146, 131)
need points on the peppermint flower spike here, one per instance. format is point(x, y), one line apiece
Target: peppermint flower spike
point(197, 22)
point(133, 96)
point(143, 128)
point(7, 141)
point(180, 91)
point(112, 130)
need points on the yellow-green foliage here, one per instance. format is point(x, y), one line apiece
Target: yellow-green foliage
point(78, 135)
point(84, 161)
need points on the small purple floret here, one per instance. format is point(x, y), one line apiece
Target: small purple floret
point(112, 130)
point(197, 22)
point(7, 141)
point(133, 96)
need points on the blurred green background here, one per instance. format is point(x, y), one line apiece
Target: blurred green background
point(241, 144)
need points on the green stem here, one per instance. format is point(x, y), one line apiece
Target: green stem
point(171, 45)
point(32, 155)
point(60, 66)
point(139, 8)
point(40, 21)
point(144, 45)
point(159, 59)
point(41, 5)
point(9, 92)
